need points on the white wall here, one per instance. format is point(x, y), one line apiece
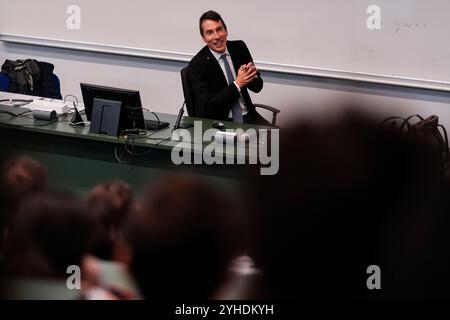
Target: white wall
point(331, 37)
point(160, 85)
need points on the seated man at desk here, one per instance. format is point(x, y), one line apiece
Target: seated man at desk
point(221, 73)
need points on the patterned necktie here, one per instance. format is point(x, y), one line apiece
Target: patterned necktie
point(236, 107)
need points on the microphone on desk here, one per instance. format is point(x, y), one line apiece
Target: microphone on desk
point(178, 123)
point(76, 118)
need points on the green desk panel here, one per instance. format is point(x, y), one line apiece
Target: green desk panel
point(78, 159)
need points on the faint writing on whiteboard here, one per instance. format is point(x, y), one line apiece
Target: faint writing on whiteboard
point(400, 26)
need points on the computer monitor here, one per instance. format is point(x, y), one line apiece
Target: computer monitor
point(130, 115)
point(129, 98)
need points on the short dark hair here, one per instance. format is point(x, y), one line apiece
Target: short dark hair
point(183, 237)
point(20, 177)
point(210, 15)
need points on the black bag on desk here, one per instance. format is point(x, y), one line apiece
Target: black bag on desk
point(429, 133)
point(24, 76)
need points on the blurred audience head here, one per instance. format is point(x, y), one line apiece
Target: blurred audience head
point(183, 238)
point(50, 231)
point(109, 203)
point(350, 194)
point(19, 177)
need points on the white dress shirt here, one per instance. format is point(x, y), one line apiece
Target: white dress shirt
point(217, 55)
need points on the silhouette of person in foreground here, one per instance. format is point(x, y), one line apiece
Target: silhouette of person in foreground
point(350, 194)
point(183, 239)
point(110, 203)
point(49, 233)
point(20, 177)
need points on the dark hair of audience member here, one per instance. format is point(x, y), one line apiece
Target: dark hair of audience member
point(183, 238)
point(19, 176)
point(350, 194)
point(50, 231)
point(109, 204)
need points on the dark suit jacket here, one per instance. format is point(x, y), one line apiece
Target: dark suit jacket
point(213, 96)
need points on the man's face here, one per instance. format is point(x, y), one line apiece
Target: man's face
point(215, 35)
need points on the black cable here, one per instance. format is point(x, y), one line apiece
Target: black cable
point(75, 103)
point(12, 102)
point(135, 133)
point(23, 115)
point(156, 116)
point(119, 158)
point(27, 125)
point(131, 151)
point(132, 130)
point(71, 95)
point(9, 113)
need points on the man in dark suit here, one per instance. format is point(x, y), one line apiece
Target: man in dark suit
point(221, 73)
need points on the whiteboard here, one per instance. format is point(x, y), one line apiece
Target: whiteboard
point(327, 38)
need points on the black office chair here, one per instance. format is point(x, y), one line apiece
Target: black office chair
point(4, 82)
point(190, 102)
point(187, 91)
